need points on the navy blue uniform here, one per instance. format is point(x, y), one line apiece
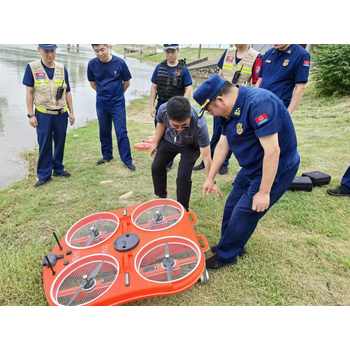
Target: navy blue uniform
point(110, 105)
point(282, 70)
point(50, 129)
point(256, 113)
point(346, 179)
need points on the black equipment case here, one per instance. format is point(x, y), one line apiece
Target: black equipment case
point(318, 178)
point(301, 183)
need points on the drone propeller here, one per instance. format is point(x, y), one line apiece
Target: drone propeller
point(94, 234)
point(168, 262)
point(86, 282)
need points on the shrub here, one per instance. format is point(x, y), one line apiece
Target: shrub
point(331, 70)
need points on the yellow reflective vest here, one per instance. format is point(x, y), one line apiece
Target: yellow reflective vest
point(245, 66)
point(45, 89)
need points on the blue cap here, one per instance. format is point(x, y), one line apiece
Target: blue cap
point(48, 46)
point(170, 46)
point(208, 90)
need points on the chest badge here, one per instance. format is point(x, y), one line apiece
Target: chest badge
point(268, 61)
point(237, 112)
point(285, 63)
point(239, 128)
point(39, 75)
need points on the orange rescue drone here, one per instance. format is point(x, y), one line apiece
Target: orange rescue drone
point(115, 257)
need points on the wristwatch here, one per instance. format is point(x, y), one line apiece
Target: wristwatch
point(30, 115)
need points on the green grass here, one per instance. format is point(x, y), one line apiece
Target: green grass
point(190, 54)
point(298, 255)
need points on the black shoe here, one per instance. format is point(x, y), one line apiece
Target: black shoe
point(340, 191)
point(200, 166)
point(64, 174)
point(102, 161)
point(131, 167)
point(242, 253)
point(42, 182)
point(223, 170)
point(214, 263)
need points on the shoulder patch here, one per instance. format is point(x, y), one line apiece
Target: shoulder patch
point(261, 119)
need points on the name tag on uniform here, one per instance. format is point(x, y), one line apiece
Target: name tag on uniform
point(268, 61)
point(40, 75)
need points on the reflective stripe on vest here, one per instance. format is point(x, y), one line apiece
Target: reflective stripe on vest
point(43, 109)
point(245, 66)
point(168, 85)
point(45, 89)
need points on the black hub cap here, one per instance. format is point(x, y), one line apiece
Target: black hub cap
point(126, 242)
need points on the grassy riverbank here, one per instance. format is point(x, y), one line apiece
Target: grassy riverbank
point(189, 53)
point(300, 253)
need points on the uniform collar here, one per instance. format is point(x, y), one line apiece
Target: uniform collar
point(286, 52)
point(236, 110)
point(45, 66)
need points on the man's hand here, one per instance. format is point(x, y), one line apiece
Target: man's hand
point(209, 186)
point(71, 119)
point(261, 202)
point(153, 151)
point(33, 121)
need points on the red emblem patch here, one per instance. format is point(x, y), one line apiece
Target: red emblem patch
point(40, 75)
point(306, 63)
point(261, 119)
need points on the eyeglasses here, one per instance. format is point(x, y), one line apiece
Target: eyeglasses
point(181, 126)
point(101, 49)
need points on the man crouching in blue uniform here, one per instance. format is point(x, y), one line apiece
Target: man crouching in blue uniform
point(259, 131)
point(110, 77)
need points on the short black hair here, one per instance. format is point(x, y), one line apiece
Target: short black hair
point(226, 88)
point(179, 108)
point(94, 45)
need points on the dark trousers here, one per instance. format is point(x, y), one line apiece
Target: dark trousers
point(346, 179)
point(115, 113)
point(166, 152)
point(239, 220)
point(51, 131)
